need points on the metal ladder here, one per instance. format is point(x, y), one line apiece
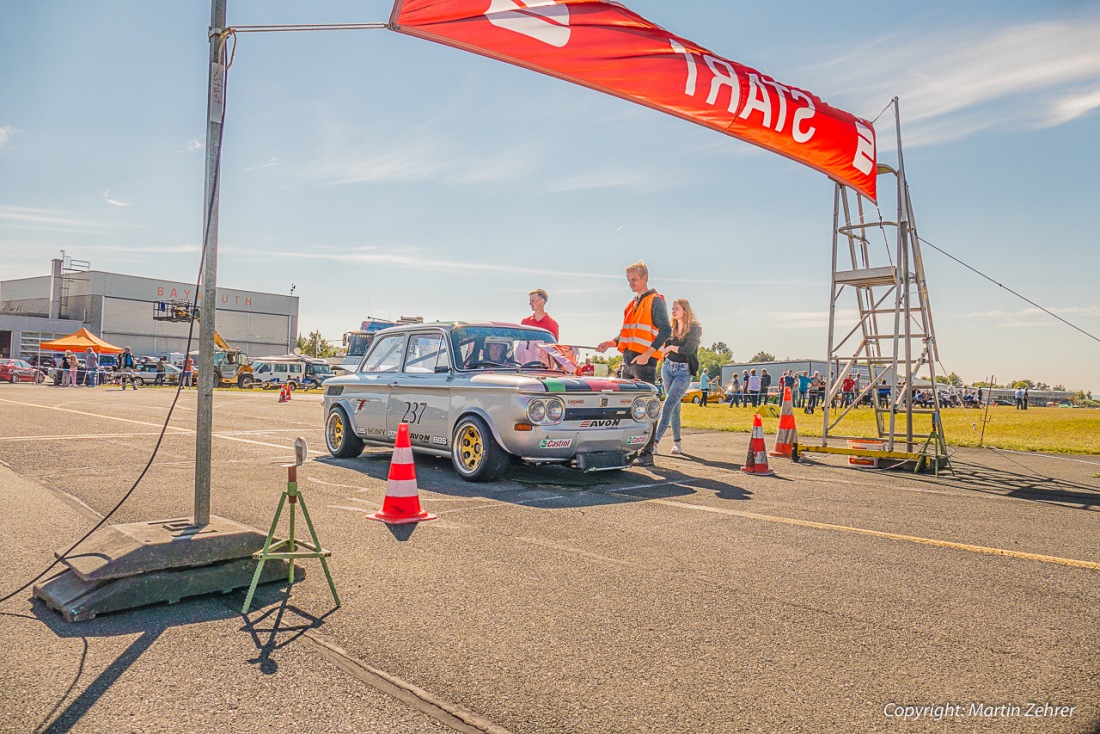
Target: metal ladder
point(70, 269)
point(892, 336)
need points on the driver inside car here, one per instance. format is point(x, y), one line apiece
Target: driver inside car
point(497, 353)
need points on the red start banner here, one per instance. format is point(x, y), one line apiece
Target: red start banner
point(605, 46)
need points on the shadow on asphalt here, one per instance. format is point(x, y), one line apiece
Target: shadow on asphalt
point(277, 633)
point(545, 487)
point(150, 622)
point(1033, 487)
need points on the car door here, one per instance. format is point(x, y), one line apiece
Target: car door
point(420, 394)
point(368, 398)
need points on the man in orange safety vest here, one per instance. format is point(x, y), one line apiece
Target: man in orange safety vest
point(645, 330)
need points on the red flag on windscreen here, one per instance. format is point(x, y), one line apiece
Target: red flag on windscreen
point(605, 46)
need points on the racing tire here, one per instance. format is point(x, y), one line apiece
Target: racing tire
point(340, 441)
point(244, 382)
point(475, 454)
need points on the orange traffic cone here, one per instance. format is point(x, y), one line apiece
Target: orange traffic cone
point(757, 460)
point(402, 502)
point(289, 391)
point(787, 435)
point(282, 394)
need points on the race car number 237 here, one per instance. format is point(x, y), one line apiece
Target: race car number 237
point(413, 412)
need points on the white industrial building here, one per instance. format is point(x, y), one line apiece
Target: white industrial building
point(119, 309)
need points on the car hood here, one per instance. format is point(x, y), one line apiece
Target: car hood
point(555, 382)
point(530, 382)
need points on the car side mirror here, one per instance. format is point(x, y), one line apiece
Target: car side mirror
point(442, 369)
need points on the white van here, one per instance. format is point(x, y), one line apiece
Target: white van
point(300, 372)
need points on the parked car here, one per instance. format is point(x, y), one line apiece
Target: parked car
point(146, 374)
point(20, 370)
point(45, 361)
point(81, 373)
point(108, 362)
point(694, 395)
point(298, 371)
point(486, 395)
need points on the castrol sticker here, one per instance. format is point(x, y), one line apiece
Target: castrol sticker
point(555, 443)
point(635, 440)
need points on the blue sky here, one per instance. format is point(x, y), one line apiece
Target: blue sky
point(384, 175)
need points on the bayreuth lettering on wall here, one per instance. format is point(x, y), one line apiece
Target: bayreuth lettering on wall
point(225, 298)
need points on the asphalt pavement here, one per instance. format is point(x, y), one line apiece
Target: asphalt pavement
point(688, 597)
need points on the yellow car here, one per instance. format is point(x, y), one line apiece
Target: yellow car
point(694, 395)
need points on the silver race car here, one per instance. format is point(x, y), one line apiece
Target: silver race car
point(486, 394)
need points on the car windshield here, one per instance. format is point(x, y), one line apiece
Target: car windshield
point(502, 347)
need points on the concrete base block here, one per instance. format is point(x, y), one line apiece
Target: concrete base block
point(137, 548)
point(79, 600)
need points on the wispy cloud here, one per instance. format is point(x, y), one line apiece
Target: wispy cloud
point(5, 135)
point(47, 220)
point(432, 156)
point(416, 157)
point(417, 259)
point(271, 162)
point(816, 320)
point(113, 202)
point(1025, 317)
point(959, 82)
point(634, 180)
point(194, 146)
point(155, 249)
point(414, 261)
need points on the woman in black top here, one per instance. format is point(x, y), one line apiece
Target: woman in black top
point(680, 365)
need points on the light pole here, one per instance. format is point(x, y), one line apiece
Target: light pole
point(214, 120)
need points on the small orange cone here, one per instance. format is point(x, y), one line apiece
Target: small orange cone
point(289, 391)
point(757, 461)
point(787, 435)
point(402, 502)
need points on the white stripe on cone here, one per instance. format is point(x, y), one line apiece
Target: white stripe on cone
point(401, 488)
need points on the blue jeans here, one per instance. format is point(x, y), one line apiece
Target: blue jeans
point(675, 376)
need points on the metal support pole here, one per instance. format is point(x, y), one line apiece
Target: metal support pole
point(830, 358)
point(214, 119)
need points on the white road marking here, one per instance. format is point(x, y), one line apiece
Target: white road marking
point(155, 425)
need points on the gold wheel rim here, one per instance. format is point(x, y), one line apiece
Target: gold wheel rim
point(471, 450)
point(336, 431)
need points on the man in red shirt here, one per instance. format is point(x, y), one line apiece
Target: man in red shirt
point(537, 298)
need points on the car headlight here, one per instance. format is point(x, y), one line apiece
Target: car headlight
point(653, 408)
point(555, 411)
point(638, 409)
point(536, 411)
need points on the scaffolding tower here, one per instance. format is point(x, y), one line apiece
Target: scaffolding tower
point(889, 336)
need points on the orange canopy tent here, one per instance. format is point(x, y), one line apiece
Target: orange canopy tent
point(79, 341)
